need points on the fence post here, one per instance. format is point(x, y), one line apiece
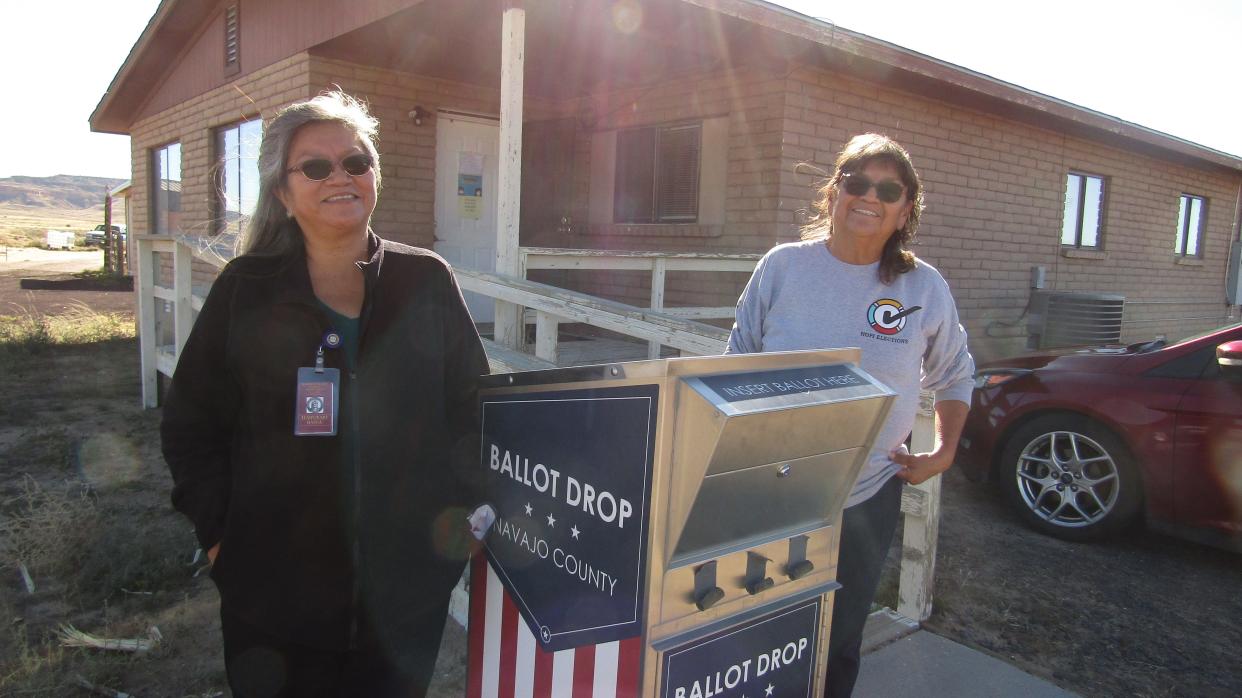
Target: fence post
point(109, 258)
point(183, 311)
point(145, 270)
point(921, 506)
point(546, 328)
point(659, 267)
point(508, 329)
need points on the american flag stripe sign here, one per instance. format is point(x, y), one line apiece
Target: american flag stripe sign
point(506, 661)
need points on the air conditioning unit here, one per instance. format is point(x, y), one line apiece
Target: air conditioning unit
point(1065, 319)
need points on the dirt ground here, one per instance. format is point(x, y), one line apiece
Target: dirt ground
point(18, 263)
point(1142, 615)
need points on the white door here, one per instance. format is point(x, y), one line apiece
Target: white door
point(467, 152)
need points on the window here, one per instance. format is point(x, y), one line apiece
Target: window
point(1084, 211)
point(232, 40)
point(1191, 212)
point(166, 189)
point(237, 175)
point(657, 175)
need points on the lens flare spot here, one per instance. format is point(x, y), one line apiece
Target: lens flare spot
point(451, 534)
point(627, 16)
point(108, 459)
point(1227, 459)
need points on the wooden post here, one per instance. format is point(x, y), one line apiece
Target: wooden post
point(921, 506)
point(546, 328)
point(508, 330)
point(107, 244)
point(659, 268)
point(183, 312)
point(145, 269)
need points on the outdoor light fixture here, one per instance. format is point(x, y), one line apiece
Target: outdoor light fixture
point(418, 114)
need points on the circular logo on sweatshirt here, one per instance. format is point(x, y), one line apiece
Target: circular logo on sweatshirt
point(887, 316)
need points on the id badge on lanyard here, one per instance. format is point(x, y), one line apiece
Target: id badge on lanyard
point(317, 405)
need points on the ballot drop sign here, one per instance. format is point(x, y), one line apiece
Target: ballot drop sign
point(772, 655)
point(570, 479)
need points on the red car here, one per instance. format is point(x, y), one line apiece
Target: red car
point(1082, 441)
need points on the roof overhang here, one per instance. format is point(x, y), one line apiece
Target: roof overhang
point(870, 58)
point(168, 32)
point(691, 35)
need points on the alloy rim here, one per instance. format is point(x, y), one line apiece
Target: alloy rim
point(1067, 479)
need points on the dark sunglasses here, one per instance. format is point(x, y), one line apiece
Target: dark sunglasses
point(856, 184)
point(319, 169)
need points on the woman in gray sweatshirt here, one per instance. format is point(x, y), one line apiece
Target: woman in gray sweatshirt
point(852, 282)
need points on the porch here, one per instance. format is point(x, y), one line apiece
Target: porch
point(166, 314)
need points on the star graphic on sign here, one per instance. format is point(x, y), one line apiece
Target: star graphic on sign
point(768, 691)
point(552, 521)
point(574, 532)
point(529, 509)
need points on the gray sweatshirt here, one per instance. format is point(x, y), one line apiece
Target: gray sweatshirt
point(802, 297)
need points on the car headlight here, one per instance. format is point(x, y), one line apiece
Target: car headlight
point(993, 378)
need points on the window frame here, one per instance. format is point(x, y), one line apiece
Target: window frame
point(1181, 240)
point(221, 161)
point(1083, 178)
point(160, 219)
point(658, 213)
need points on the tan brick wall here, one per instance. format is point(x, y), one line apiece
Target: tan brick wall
point(406, 208)
point(193, 124)
point(994, 192)
point(994, 187)
point(753, 103)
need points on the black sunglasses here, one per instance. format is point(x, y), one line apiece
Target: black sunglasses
point(856, 184)
point(319, 169)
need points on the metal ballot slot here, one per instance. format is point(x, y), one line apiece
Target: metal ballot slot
point(678, 517)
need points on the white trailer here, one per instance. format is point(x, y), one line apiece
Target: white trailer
point(59, 240)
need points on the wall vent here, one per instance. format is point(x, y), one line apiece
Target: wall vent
point(232, 39)
point(1066, 319)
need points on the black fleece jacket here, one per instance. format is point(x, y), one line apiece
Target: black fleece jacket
point(314, 530)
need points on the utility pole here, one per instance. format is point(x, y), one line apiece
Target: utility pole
point(108, 241)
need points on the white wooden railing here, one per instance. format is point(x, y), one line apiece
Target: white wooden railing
point(658, 264)
point(553, 306)
point(658, 325)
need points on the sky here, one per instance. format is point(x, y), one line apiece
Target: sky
point(1169, 66)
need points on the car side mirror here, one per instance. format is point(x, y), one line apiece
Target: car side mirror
point(1229, 358)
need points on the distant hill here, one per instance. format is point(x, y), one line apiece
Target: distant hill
point(58, 192)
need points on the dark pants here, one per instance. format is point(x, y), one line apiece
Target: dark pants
point(261, 665)
point(866, 533)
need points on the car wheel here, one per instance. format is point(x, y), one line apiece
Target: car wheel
point(1071, 478)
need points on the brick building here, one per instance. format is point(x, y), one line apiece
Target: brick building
point(680, 125)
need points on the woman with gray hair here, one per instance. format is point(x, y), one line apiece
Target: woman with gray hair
point(319, 427)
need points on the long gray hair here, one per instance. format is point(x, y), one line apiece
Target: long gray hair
point(271, 230)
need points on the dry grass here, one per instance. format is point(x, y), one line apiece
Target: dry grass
point(48, 528)
point(31, 332)
point(84, 506)
point(25, 226)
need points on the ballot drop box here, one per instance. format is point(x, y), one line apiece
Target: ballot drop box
point(666, 528)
